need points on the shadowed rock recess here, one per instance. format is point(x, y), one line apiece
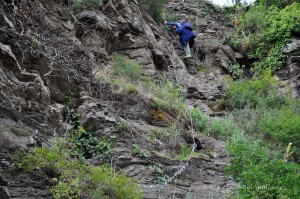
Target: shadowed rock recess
point(46, 50)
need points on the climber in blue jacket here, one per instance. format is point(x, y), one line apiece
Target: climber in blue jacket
point(186, 37)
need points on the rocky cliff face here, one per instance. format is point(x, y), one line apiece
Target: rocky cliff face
point(45, 50)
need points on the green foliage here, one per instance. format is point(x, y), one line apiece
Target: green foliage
point(152, 135)
point(20, 132)
point(127, 74)
point(278, 3)
point(172, 136)
point(261, 176)
point(86, 144)
point(224, 127)
point(269, 29)
point(200, 120)
point(36, 42)
point(127, 67)
point(139, 152)
point(277, 124)
point(171, 16)
point(154, 8)
point(115, 184)
point(161, 176)
point(80, 5)
point(122, 125)
point(283, 125)
point(89, 145)
point(167, 94)
point(72, 178)
point(68, 190)
point(71, 114)
point(258, 91)
point(273, 121)
point(186, 153)
point(236, 71)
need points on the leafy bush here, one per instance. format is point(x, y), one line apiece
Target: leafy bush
point(200, 120)
point(127, 74)
point(265, 31)
point(127, 67)
point(160, 174)
point(186, 153)
point(247, 119)
point(80, 5)
point(278, 3)
point(89, 145)
point(224, 127)
point(74, 179)
point(273, 120)
point(259, 91)
point(71, 114)
point(139, 152)
point(154, 8)
point(260, 175)
point(121, 126)
point(283, 125)
point(166, 94)
point(115, 184)
point(236, 70)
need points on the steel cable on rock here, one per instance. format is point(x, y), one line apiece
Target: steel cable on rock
point(183, 168)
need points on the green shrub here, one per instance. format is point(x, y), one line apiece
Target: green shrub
point(71, 114)
point(236, 71)
point(20, 132)
point(80, 5)
point(168, 94)
point(186, 153)
point(260, 175)
point(139, 152)
point(160, 174)
point(154, 8)
point(115, 184)
point(224, 127)
point(276, 122)
point(200, 120)
point(89, 145)
point(256, 92)
point(278, 3)
point(127, 67)
point(127, 74)
point(283, 125)
point(269, 29)
point(74, 179)
point(121, 126)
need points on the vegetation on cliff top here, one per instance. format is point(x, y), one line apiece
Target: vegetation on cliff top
point(263, 29)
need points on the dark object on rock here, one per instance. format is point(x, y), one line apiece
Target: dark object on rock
point(3, 181)
point(198, 143)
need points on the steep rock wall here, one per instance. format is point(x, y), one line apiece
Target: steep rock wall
point(45, 51)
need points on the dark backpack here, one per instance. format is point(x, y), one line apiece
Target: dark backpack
point(187, 25)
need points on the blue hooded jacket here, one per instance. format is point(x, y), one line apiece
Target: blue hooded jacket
point(185, 35)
